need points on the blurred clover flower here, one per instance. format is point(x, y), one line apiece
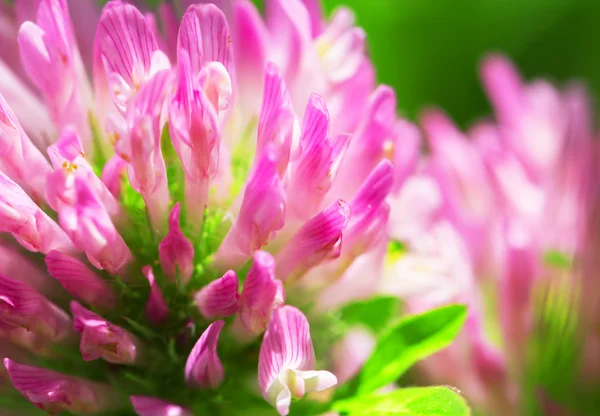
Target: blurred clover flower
point(504, 218)
point(210, 151)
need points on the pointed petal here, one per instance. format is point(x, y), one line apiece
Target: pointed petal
point(316, 16)
point(52, 61)
point(370, 142)
point(406, 152)
point(90, 227)
point(157, 310)
point(196, 131)
point(262, 214)
point(251, 50)
point(176, 252)
point(30, 226)
point(220, 297)
point(313, 174)
point(69, 161)
point(31, 112)
point(55, 392)
point(113, 173)
point(342, 54)
point(289, 21)
point(17, 264)
point(504, 87)
point(142, 147)
point(262, 293)
point(367, 225)
point(79, 280)
point(19, 158)
point(203, 368)
point(375, 189)
point(149, 406)
point(277, 119)
point(101, 339)
point(22, 306)
point(318, 240)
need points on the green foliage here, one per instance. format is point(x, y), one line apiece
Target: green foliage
point(429, 51)
point(557, 259)
point(428, 401)
point(242, 157)
point(175, 176)
point(556, 348)
point(14, 401)
point(408, 341)
point(374, 313)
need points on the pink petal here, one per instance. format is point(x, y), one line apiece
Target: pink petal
point(69, 160)
point(220, 297)
point(112, 174)
point(128, 50)
point(287, 356)
point(342, 47)
point(54, 392)
point(170, 27)
point(157, 310)
point(203, 368)
point(101, 339)
point(22, 306)
point(88, 15)
point(19, 158)
point(90, 227)
point(17, 264)
point(367, 225)
point(488, 362)
point(312, 175)
point(350, 353)
point(26, 9)
point(369, 143)
point(406, 151)
point(262, 293)
point(196, 135)
point(125, 41)
point(149, 406)
point(79, 280)
point(51, 59)
point(504, 87)
point(250, 49)
point(318, 240)
point(27, 106)
point(176, 252)
point(289, 22)
point(521, 270)
point(262, 214)
point(30, 226)
point(277, 119)
point(366, 231)
point(204, 35)
point(316, 16)
point(141, 148)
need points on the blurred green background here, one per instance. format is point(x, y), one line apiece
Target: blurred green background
point(429, 50)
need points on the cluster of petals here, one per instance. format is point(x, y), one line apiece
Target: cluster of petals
point(485, 209)
point(291, 99)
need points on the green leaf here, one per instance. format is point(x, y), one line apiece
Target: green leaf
point(408, 341)
point(558, 260)
point(426, 401)
point(374, 313)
